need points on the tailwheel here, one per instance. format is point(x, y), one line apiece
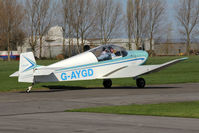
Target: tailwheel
point(140, 82)
point(107, 83)
point(29, 88)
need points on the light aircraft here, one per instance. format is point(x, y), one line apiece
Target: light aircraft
point(103, 62)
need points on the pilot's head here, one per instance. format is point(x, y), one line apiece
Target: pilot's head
point(105, 49)
point(111, 49)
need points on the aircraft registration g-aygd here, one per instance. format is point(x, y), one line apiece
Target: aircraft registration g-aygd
point(103, 62)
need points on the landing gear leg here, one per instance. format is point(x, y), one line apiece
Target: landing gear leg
point(140, 82)
point(107, 83)
point(29, 88)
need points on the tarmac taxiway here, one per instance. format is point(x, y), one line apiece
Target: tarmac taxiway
point(43, 111)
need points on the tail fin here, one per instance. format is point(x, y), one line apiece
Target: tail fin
point(26, 67)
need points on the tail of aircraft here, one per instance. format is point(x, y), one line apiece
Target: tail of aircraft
point(26, 67)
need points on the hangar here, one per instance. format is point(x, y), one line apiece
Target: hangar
point(52, 44)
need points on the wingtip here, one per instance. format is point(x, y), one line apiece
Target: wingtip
point(185, 58)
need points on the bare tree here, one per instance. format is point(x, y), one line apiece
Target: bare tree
point(144, 19)
point(187, 14)
point(19, 38)
point(11, 17)
point(168, 32)
point(78, 20)
point(156, 15)
point(87, 19)
point(44, 15)
point(129, 15)
point(109, 20)
point(71, 20)
point(2, 29)
point(137, 20)
point(68, 16)
point(64, 11)
point(32, 22)
point(39, 14)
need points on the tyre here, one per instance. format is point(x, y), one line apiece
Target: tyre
point(140, 82)
point(107, 83)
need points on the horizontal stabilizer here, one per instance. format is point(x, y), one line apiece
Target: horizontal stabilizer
point(15, 74)
point(42, 72)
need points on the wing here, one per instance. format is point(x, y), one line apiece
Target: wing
point(156, 68)
point(135, 71)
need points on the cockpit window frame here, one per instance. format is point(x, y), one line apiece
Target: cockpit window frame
point(119, 51)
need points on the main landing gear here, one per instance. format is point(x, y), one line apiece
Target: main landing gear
point(140, 82)
point(107, 83)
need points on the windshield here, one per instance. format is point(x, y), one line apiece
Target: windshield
point(108, 52)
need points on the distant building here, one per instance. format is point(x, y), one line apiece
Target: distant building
point(124, 42)
point(52, 44)
point(175, 47)
point(14, 55)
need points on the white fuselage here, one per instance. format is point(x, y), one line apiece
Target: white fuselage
point(75, 67)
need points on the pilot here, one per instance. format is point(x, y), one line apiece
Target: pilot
point(112, 52)
point(105, 55)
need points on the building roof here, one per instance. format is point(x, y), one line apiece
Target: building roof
point(54, 33)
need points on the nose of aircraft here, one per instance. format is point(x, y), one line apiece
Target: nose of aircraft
point(145, 54)
point(138, 53)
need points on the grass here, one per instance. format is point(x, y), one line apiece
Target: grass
point(184, 72)
point(178, 109)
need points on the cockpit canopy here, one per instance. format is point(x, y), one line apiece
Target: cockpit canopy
point(108, 52)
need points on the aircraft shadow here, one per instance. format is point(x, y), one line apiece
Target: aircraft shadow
point(57, 88)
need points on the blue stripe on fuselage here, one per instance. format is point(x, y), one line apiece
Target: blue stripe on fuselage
point(104, 63)
point(132, 56)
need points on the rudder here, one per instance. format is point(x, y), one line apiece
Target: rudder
point(26, 67)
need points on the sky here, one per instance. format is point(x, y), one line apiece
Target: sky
point(171, 16)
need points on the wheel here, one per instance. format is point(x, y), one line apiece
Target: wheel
point(29, 89)
point(140, 82)
point(107, 83)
